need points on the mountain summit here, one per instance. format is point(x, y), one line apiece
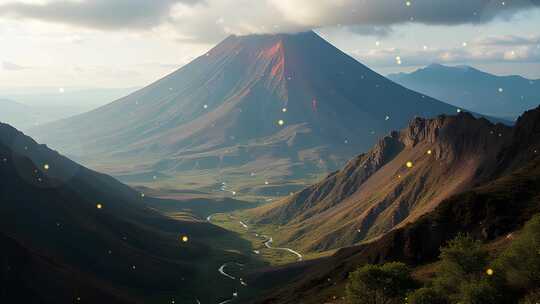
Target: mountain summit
point(284, 105)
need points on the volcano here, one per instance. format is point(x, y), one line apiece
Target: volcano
point(282, 106)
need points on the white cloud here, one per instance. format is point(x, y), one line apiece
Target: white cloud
point(492, 49)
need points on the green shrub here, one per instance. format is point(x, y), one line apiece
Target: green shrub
point(379, 284)
point(531, 298)
point(520, 262)
point(427, 295)
point(463, 260)
point(478, 292)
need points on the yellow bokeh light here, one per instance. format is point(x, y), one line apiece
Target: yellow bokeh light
point(46, 166)
point(429, 152)
point(489, 272)
point(185, 238)
point(99, 206)
point(409, 164)
point(281, 122)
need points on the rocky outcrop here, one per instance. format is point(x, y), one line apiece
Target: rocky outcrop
point(407, 174)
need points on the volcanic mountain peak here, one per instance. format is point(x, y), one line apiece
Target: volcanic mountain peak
point(250, 102)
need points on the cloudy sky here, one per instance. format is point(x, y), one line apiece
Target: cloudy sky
point(127, 43)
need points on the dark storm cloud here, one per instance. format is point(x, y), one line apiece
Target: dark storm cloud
point(391, 12)
point(366, 30)
point(100, 14)
point(208, 20)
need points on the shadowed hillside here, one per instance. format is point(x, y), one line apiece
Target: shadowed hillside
point(68, 233)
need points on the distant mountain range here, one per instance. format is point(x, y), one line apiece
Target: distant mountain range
point(29, 107)
point(275, 106)
point(406, 175)
point(472, 89)
point(15, 113)
point(70, 235)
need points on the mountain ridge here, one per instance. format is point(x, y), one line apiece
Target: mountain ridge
point(407, 174)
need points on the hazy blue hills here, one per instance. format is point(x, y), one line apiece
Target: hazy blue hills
point(475, 90)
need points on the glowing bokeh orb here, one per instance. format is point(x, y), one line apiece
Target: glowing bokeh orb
point(281, 122)
point(46, 167)
point(409, 164)
point(99, 206)
point(489, 272)
point(184, 239)
point(429, 152)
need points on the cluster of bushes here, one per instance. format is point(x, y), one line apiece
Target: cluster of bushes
point(466, 275)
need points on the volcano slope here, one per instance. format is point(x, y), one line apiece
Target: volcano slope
point(283, 107)
point(71, 235)
point(406, 175)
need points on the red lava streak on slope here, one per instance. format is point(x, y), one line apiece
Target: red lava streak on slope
point(277, 55)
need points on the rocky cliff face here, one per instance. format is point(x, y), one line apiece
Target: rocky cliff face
point(406, 175)
point(492, 211)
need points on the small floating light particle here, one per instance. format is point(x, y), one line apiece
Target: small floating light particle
point(99, 206)
point(489, 272)
point(429, 152)
point(281, 122)
point(284, 110)
point(185, 239)
point(46, 167)
point(409, 164)
point(501, 90)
